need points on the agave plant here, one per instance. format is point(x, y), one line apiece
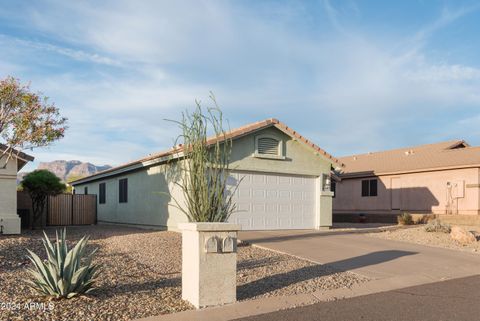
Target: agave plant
point(65, 273)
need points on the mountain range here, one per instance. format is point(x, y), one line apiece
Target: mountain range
point(68, 169)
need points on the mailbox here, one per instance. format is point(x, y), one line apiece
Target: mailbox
point(229, 245)
point(211, 245)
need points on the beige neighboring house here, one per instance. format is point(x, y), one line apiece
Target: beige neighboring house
point(442, 178)
point(9, 220)
point(284, 184)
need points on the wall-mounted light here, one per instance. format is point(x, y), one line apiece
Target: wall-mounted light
point(326, 183)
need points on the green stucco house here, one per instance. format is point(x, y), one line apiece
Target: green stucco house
point(284, 184)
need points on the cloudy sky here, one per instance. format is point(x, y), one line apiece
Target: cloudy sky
point(353, 76)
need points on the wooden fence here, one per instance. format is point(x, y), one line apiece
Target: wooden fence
point(66, 209)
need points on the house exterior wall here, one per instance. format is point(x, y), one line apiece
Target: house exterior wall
point(299, 159)
point(151, 196)
point(425, 192)
point(9, 220)
point(150, 199)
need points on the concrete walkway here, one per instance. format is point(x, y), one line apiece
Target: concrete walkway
point(390, 265)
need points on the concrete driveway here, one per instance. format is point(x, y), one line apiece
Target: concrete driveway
point(398, 262)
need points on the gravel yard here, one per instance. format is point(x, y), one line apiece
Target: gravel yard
point(418, 235)
point(141, 276)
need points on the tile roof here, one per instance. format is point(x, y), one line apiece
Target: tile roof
point(443, 155)
point(233, 134)
point(16, 153)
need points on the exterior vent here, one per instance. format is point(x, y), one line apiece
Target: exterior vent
point(268, 146)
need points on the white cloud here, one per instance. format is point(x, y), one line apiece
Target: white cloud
point(347, 91)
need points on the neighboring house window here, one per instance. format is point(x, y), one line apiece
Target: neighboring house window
point(101, 196)
point(268, 146)
point(123, 190)
point(369, 187)
point(85, 190)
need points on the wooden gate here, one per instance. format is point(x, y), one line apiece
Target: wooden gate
point(72, 209)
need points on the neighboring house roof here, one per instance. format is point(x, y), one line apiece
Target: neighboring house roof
point(22, 157)
point(233, 134)
point(443, 155)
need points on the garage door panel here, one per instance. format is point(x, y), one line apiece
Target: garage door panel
point(272, 179)
point(274, 201)
point(271, 208)
point(259, 193)
point(258, 179)
point(284, 194)
point(297, 196)
point(258, 208)
point(272, 194)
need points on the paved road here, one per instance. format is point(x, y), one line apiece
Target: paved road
point(441, 301)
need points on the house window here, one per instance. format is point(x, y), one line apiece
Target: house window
point(333, 188)
point(268, 147)
point(123, 190)
point(369, 187)
point(101, 191)
point(85, 190)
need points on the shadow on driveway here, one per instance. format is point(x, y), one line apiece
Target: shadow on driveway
point(278, 281)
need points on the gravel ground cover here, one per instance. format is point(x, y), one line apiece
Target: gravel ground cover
point(418, 235)
point(142, 276)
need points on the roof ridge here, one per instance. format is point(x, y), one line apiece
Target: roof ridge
point(231, 134)
point(408, 148)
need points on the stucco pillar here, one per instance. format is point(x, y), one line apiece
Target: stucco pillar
point(9, 220)
point(209, 263)
point(325, 209)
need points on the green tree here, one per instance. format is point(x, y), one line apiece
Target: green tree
point(27, 119)
point(40, 184)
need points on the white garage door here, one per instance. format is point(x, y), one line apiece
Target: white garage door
point(274, 201)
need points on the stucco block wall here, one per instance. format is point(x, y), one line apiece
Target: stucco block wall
point(9, 220)
point(419, 192)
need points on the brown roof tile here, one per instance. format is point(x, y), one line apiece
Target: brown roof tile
point(449, 154)
point(233, 134)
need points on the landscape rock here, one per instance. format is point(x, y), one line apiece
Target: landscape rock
point(462, 236)
point(141, 275)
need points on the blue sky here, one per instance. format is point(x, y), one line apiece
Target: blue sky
point(353, 76)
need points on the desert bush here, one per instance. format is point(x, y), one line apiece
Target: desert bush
point(437, 226)
point(65, 273)
point(405, 219)
point(203, 174)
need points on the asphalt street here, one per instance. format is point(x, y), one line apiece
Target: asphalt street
point(457, 299)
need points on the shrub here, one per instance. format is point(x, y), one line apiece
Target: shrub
point(405, 219)
point(437, 226)
point(40, 184)
point(203, 174)
point(65, 273)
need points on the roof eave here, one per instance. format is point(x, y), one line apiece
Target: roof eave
point(422, 170)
